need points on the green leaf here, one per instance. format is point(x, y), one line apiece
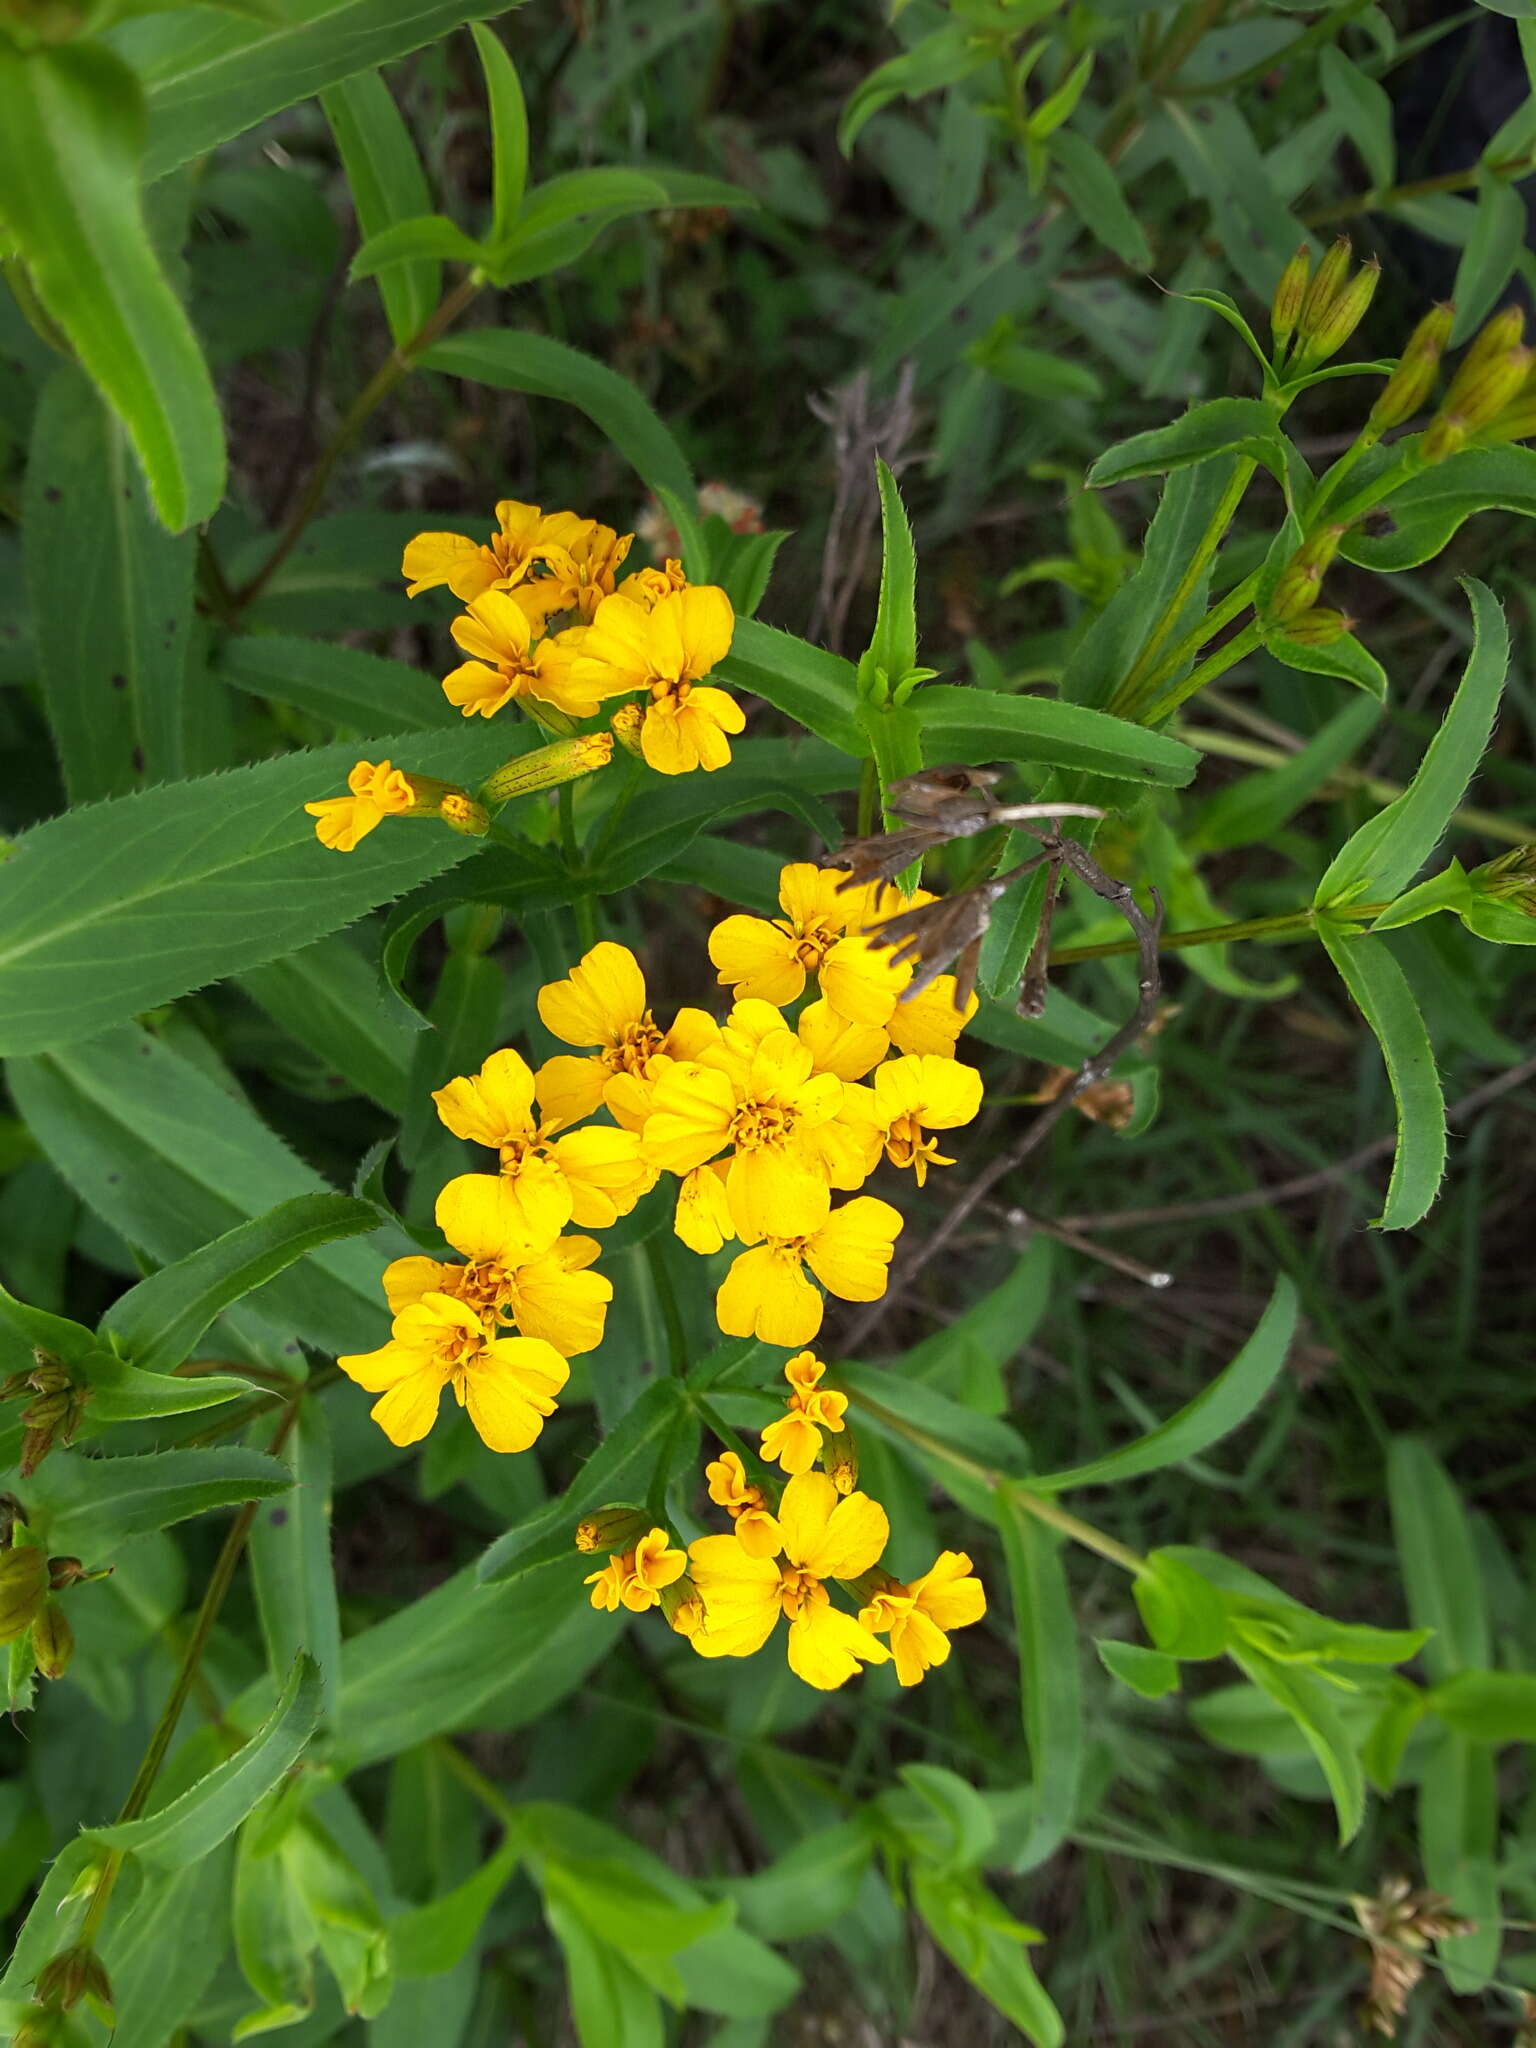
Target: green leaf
point(1227, 309)
point(1439, 1560)
point(940, 1819)
point(329, 997)
point(162, 1953)
point(209, 78)
point(940, 59)
point(515, 361)
point(1458, 1845)
point(729, 1971)
point(1498, 235)
point(108, 911)
point(1214, 1413)
point(893, 649)
point(425, 239)
point(1038, 373)
point(387, 184)
point(122, 1393)
point(71, 132)
point(1050, 1682)
point(988, 1945)
point(619, 1469)
point(343, 685)
point(88, 1506)
point(1254, 809)
point(54, 1915)
point(1344, 658)
point(1380, 992)
point(1094, 194)
point(1151, 1673)
point(1182, 1611)
point(192, 1826)
point(886, 1399)
point(809, 684)
point(609, 2000)
point(981, 725)
point(812, 1884)
point(1310, 1703)
point(157, 1324)
point(1364, 113)
point(290, 1552)
point(509, 131)
point(1383, 1749)
point(1382, 858)
point(111, 620)
point(1487, 1706)
point(436, 1937)
point(1432, 506)
point(1221, 426)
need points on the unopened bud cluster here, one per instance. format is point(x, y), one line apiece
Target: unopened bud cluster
point(1321, 309)
point(52, 1415)
point(1484, 395)
point(1294, 597)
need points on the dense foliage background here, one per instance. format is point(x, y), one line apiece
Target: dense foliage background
point(966, 239)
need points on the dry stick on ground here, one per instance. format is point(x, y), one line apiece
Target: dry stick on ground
point(861, 430)
point(1304, 1184)
point(1097, 1067)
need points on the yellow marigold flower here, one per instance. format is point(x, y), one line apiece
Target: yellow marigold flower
point(795, 1439)
point(757, 956)
point(847, 1146)
point(508, 1384)
point(822, 1537)
point(773, 1116)
point(923, 1089)
point(757, 1530)
point(377, 793)
point(521, 545)
point(766, 1294)
point(590, 1177)
point(666, 651)
point(595, 553)
point(602, 1004)
point(918, 1618)
point(929, 1021)
point(636, 1580)
point(544, 1289)
point(505, 663)
point(703, 1215)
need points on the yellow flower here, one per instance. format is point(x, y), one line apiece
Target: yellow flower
point(769, 1115)
point(794, 1440)
point(636, 1579)
point(846, 1147)
point(923, 1089)
point(647, 586)
point(757, 956)
point(520, 547)
point(595, 554)
point(544, 1290)
point(495, 632)
point(602, 1004)
point(508, 1384)
point(822, 1537)
point(839, 1047)
point(766, 1294)
point(703, 1216)
point(591, 1176)
point(377, 793)
point(666, 651)
point(917, 1618)
point(747, 1505)
point(929, 1021)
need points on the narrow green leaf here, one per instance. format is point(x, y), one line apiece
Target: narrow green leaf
point(515, 361)
point(1310, 1703)
point(940, 59)
point(894, 646)
point(809, 684)
point(89, 1506)
point(192, 1826)
point(329, 998)
point(1222, 1407)
point(387, 184)
point(1364, 112)
point(1380, 992)
point(158, 1323)
point(427, 238)
point(1498, 235)
point(981, 725)
point(509, 131)
point(122, 1393)
point(1439, 1560)
point(988, 1945)
point(1382, 858)
point(1094, 194)
point(1432, 506)
point(71, 134)
point(1345, 658)
point(1458, 1813)
point(290, 1553)
point(1049, 1678)
point(434, 1938)
point(1221, 426)
point(161, 1955)
point(1487, 1706)
point(344, 685)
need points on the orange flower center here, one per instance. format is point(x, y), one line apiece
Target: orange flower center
point(635, 1046)
point(757, 1124)
point(799, 1590)
point(813, 941)
point(907, 1145)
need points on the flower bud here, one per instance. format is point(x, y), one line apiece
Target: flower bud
point(1480, 393)
point(36, 2028)
point(1327, 283)
point(626, 723)
point(66, 1571)
point(460, 813)
point(1414, 378)
point(1289, 293)
point(1518, 423)
point(1343, 316)
point(683, 1606)
point(1509, 879)
point(75, 1974)
point(614, 1529)
point(53, 1640)
point(1319, 627)
point(840, 1461)
point(547, 767)
point(1445, 437)
point(23, 1588)
point(1494, 338)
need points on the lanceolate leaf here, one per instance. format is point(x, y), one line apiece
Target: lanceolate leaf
point(1049, 1676)
point(894, 647)
point(88, 1506)
point(980, 725)
point(1439, 1560)
point(71, 132)
point(1426, 512)
point(1222, 426)
point(387, 184)
point(509, 130)
point(816, 687)
point(1382, 996)
point(343, 685)
point(192, 1826)
point(1309, 1701)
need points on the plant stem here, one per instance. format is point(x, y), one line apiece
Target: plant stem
point(1420, 188)
point(1199, 561)
point(396, 365)
point(1286, 924)
point(1226, 656)
point(1220, 615)
point(869, 796)
point(170, 1714)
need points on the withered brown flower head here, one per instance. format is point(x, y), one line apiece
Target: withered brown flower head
point(1400, 1923)
point(931, 935)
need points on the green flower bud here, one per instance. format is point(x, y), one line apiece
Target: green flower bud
point(1294, 595)
point(53, 1641)
point(1494, 338)
point(1289, 293)
point(1414, 378)
point(1476, 399)
point(611, 1529)
point(69, 1977)
point(1509, 879)
point(683, 1606)
point(23, 1588)
point(547, 767)
point(1319, 627)
point(1348, 308)
point(1327, 283)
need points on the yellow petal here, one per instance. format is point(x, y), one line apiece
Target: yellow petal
point(851, 1253)
point(374, 1371)
point(756, 958)
point(837, 1046)
point(493, 1107)
point(948, 1593)
point(484, 1216)
point(511, 1389)
point(809, 898)
point(917, 1644)
point(773, 1193)
point(930, 1022)
point(860, 982)
point(765, 1295)
point(494, 627)
point(703, 1217)
point(451, 558)
point(705, 624)
point(691, 1116)
point(570, 1087)
point(827, 1646)
point(407, 1280)
point(758, 1533)
point(740, 1594)
point(480, 691)
point(409, 1409)
point(831, 1536)
point(615, 653)
point(692, 1032)
point(794, 1442)
point(605, 1172)
point(566, 1308)
point(604, 995)
point(541, 1199)
point(938, 1092)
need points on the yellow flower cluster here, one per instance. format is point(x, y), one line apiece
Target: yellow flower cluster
point(547, 622)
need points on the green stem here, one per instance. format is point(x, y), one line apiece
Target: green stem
point(1215, 533)
point(395, 366)
point(1420, 188)
point(869, 796)
point(1237, 649)
point(1285, 924)
point(1236, 599)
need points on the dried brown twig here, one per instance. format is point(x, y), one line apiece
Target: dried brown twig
point(862, 428)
